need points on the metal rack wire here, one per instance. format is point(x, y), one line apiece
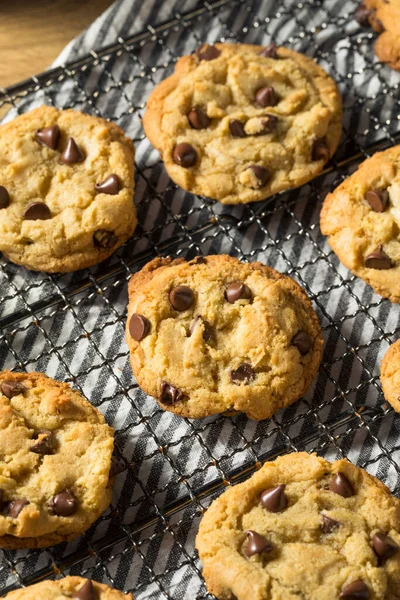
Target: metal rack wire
point(72, 326)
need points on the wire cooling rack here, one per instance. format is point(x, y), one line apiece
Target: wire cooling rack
point(72, 326)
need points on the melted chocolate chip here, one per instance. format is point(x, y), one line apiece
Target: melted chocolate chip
point(111, 185)
point(198, 260)
point(170, 394)
point(16, 506)
point(72, 153)
point(302, 341)
point(198, 119)
point(376, 24)
point(266, 96)
point(384, 546)
point(86, 592)
point(181, 297)
point(139, 327)
point(207, 52)
point(274, 499)
point(328, 524)
point(378, 260)
point(12, 388)
point(237, 129)
point(362, 14)
point(208, 330)
point(104, 239)
point(320, 150)
point(262, 175)
point(45, 444)
point(48, 136)
point(4, 197)
point(243, 374)
point(238, 291)
point(64, 504)
point(341, 485)
point(269, 123)
point(37, 211)
point(184, 155)
point(377, 199)
point(270, 51)
point(257, 544)
point(357, 590)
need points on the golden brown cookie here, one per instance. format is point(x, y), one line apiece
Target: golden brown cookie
point(361, 218)
point(239, 123)
point(55, 458)
point(302, 527)
point(66, 189)
point(390, 375)
point(214, 335)
point(76, 588)
point(384, 18)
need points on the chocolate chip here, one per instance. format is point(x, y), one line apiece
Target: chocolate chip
point(208, 330)
point(4, 197)
point(320, 150)
point(262, 175)
point(64, 504)
point(384, 546)
point(341, 485)
point(362, 14)
point(116, 468)
point(104, 239)
point(257, 544)
point(139, 327)
point(198, 119)
point(302, 341)
point(2, 502)
point(357, 590)
point(266, 96)
point(86, 592)
point(111, 185)
point(237, 291)
point(181, 297)
point(243, 374)
point(207, 52)
point(269, 123)
point(72, 153)
point(170, 394)
point(46, 443)
point(270, 51)
point(376, 24)
point(48, 136)
point(198, 260)
point(237, 128)
point(37, 211)
point(378, 259)
point(377, 199)
point(12, 388)
point(15, 507)
point(274, 499)
point(328, 524)
point(184, 155)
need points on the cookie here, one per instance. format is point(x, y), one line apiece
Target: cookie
point(214, 335)
point(55, 458)
point(66, 187)
point(239, 123)
point(390, 375)
point(361, 219)
point(384, 18)
point(302, 527)
point(76, 588)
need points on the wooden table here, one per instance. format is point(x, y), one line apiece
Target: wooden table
point(33, 32)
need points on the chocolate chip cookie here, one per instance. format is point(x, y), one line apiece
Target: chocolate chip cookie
point(66, 187)
point(302, 527)
point(390, 375)
point(239, 123)
point(362, 219)
point(214, 335)
point(55, 458)
point(384, 18)
point(76, 588)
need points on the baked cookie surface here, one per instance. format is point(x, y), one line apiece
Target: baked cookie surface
point(214, 335)
point(55, 458)
point(239, 123)
point(302, 527)
point(361, 218)
point(69, 587)
point(384, 18)
point(390, 375)
point(66, 189)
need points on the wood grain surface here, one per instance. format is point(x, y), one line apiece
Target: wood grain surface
point(33, 32)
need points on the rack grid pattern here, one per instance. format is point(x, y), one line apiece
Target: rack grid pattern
point(72, 326)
